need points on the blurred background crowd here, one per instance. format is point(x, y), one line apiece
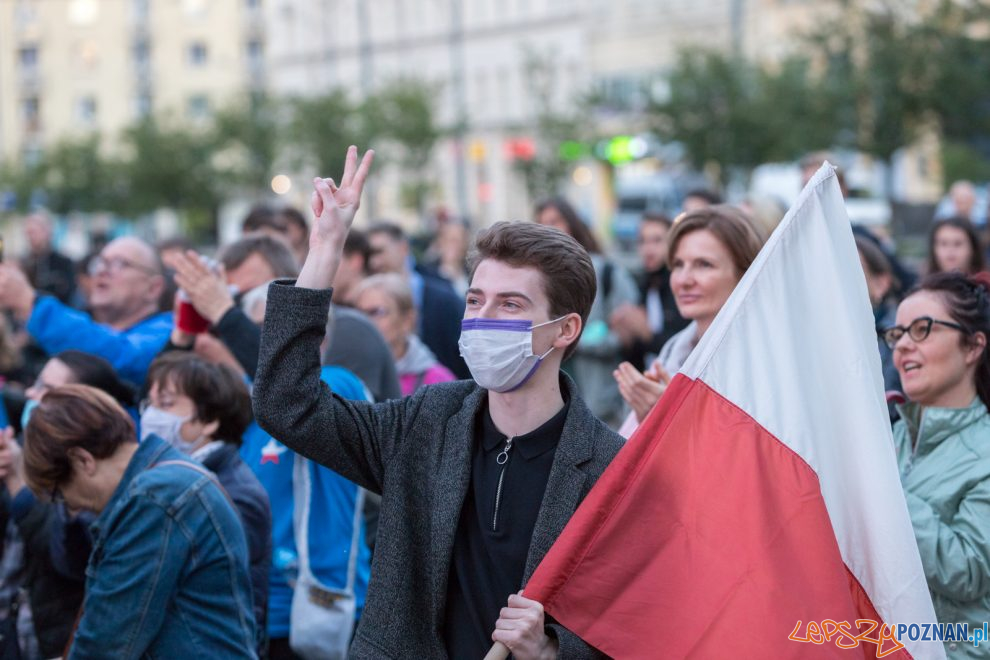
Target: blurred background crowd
point(154, 160)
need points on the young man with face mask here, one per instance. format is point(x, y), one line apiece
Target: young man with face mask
point(478, 478)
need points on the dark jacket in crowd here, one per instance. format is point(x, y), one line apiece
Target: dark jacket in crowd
point(168, 576)
point(658, 281)
point(416, 452)
point(440, 323)
point(55, 597)
point(51, 272)
point(357, 345)
point(70, 543)
point(251, 501)
point(241, 336)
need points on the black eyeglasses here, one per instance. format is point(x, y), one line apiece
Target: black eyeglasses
point(918, 330)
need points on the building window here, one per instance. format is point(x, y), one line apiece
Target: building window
point(198, 107)
point(140, 10)
point(31, 155)
point(197, 54)
point(142, 105)
point(28, 57)
point(141, 53)
point(30, 112)
point(25, 13)
point(255, 56)
point(86, 110)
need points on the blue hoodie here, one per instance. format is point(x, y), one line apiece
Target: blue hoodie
point(57, 327)
point(331, 514)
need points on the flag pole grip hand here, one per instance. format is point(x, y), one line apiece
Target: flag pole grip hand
point(499, 651)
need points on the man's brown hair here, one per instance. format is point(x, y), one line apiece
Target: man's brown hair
point(728, 224)
point(569, 280)
point(275, 251)
point(218, 393)
point(67, 417)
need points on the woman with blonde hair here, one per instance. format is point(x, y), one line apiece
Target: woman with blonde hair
point(710, 250)
point(387, 300)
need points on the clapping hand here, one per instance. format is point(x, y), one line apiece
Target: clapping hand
point(207, 290)
point(16, 293)
point(641, 390)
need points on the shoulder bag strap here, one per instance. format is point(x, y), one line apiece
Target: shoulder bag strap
point(302, 492)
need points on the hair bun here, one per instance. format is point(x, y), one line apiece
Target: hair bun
point(981, 281)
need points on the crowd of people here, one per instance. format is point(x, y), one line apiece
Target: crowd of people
point(424, 422)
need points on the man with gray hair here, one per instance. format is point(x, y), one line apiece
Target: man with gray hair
point(126, 327)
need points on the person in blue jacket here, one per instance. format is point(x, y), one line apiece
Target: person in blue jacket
point(168, 576)
point(331, 519)
point(126, 327)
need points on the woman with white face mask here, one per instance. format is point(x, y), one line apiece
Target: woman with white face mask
point(202, 409)
point(710, 250)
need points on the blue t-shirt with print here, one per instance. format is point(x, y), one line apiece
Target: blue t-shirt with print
point(331, 514)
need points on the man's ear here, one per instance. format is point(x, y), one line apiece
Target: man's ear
point(570, 331)
point(157, 287)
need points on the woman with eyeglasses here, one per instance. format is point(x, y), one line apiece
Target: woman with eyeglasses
point(387, 300)
point(943, 440)
point(168, 575)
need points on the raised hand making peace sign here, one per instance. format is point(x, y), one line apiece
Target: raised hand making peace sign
point(334, 208)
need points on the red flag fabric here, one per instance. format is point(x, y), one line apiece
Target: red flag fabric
point(759, 504)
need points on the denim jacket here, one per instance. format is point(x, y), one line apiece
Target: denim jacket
point(168, 576)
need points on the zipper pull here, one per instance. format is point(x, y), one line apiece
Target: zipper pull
point(501, 459)
point(503, 456)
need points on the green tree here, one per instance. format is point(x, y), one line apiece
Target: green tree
point(552, 126)
point(247, 136)
point(320, 128)
point(78, 177)
point(738, 114)
point(399, 119)
point(874, 67)
point(22, 180)
point(170, 165)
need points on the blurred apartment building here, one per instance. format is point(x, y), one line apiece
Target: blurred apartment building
point(70, 67)
point(501, 62)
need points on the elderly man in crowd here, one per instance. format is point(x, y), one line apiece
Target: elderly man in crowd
point(126, 327)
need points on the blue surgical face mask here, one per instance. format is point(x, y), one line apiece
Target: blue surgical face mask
point(29, 407)
point(499, 352)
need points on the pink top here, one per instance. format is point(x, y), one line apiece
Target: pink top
point(435, 374)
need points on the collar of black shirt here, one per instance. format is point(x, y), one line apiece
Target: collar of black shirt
point(529, 445)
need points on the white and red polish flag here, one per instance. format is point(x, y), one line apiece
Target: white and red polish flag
point(762, 490)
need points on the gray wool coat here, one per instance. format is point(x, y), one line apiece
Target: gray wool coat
point(416, 452)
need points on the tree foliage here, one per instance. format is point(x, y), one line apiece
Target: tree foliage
point(161, 162)
point(872, 78)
